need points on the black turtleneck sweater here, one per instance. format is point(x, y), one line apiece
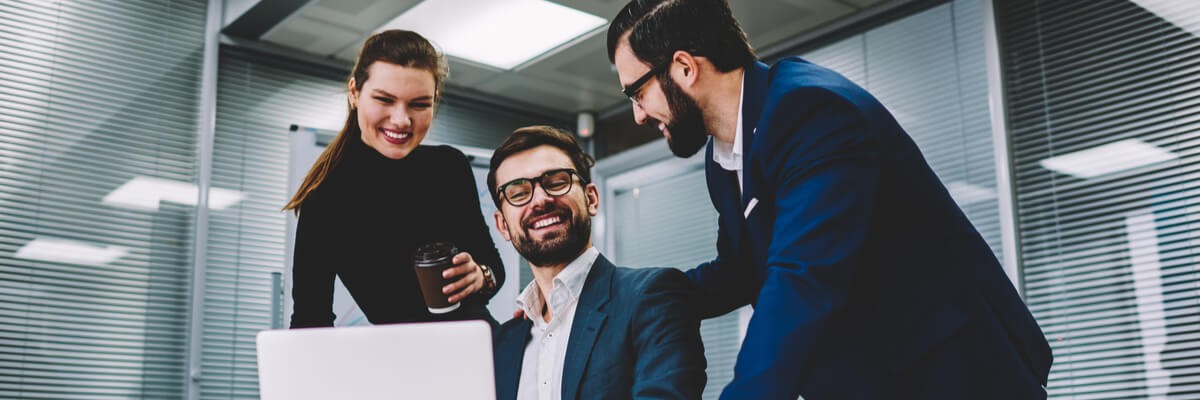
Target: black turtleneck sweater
point(364, 222)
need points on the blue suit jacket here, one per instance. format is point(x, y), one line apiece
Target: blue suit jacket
point(867, 279)
point(635, 335)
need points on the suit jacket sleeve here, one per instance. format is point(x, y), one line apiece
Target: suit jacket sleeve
point(471, 229)
point(823, 165)
point(670, 355)
point(312, 267)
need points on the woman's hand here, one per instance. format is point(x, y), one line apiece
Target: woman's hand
point(469, 278)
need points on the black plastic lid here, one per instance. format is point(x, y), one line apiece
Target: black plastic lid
point(434, 252)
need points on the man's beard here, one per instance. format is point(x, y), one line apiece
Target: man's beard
point(559, 249)
point(688, 134)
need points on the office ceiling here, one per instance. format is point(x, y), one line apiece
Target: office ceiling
point(573, 78)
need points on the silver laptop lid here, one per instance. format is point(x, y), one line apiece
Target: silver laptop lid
point(437, 360)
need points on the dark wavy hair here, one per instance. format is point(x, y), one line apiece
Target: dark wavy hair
point(659, 28)
point(539, 135)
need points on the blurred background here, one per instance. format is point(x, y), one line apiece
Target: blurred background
point(147, 146)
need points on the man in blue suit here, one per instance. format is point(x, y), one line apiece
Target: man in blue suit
point(867, 280)
point(595, 331)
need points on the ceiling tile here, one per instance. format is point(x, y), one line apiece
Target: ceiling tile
point(769, 22)
point(572, 79)
point(601, 8)
point(350, 52)
point(585, 65)
point(548, 94)
point(362, 17)
point(349, 8)
point(310, 35)
point(862, 3)
point(469, 74)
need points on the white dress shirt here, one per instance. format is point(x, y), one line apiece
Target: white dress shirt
point(542, 366)
point(729, 156)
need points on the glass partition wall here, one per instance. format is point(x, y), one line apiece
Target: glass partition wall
point(99, 111)
point(1104, 119)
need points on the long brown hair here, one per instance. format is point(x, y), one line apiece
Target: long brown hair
point(400, 47)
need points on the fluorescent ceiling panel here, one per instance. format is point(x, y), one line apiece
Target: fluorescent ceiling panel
point(968, 193)
point(1107, 159)
point(500, 33)
point(146, 193)
point(70, 252)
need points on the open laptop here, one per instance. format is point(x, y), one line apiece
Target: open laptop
point(436, 360)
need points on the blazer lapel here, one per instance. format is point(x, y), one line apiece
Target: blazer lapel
point(722, 187)
point(510, 353)
point(755, 83)
point(589, 319)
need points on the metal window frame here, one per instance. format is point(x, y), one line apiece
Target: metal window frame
point(206, 134)
point(1005, 189)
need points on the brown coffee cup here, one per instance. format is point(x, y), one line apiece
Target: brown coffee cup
point(429, 261)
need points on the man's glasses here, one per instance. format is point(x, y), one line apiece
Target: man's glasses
point(633, 90)
point(519, 192)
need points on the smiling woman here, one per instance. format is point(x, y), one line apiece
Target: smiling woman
point(376, 194)
point(395, 109)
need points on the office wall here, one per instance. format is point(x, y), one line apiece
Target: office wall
point(1103, 103)
point(98, 127)
point(928, 70)
point(99, 153)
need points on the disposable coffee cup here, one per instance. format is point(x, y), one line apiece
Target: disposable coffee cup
point(429, 261)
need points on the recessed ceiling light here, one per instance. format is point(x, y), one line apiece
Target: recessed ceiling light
point(1110, 158)
point(145, 193)
point(500, 33)
point(70, 252)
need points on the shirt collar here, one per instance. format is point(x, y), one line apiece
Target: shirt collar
point(571, 278)
point(729, 156)
point(575, 274)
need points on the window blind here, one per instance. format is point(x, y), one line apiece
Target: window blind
point(1104, 112)
point(928, 70)
point(258, 98)
point(655, 229)
point(97, 98)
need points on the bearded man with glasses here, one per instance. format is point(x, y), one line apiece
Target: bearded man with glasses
point(868, 281)
point(594, 330)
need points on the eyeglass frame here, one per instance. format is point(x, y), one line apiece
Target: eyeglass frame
point(536, 182)
point(634, 89)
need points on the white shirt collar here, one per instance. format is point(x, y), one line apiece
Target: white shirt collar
point(729, 156)
point(569, 282)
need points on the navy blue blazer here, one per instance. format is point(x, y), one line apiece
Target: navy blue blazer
point(635, 335)
point(867, 279)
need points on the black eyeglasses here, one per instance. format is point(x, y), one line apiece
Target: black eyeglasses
point(557, 182)
point(632, 90)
